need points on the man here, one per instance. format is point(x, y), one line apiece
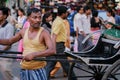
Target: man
point(59, 36)
point(77, 19)
point(84, 29)
point(11, 19)
point(6, 31)
point(36, 43)
point(77, 23)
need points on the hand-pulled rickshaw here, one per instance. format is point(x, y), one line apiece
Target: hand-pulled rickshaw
point(100, 61)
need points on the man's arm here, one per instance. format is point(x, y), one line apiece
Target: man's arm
point(49, 43)
point(12, 40)
point(54, 40)
point(80, 28)
point(6, 47)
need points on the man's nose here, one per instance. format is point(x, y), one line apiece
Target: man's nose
point(38, 19)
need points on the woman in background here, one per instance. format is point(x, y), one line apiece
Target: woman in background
point(95, 21)
point(47, 21)
point(21, 19)
point(110, 18)
point(95, 25)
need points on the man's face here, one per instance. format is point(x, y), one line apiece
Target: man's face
point(65, 15)
point(81, 11)
point(35, 19)
point(2, 17)
point(49, 18)
point(108, 14)
point(88, 12)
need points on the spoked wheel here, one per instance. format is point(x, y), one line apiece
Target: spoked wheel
point(113, 72)
point(85, 72)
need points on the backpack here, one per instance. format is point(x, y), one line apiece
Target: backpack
point(70, 20)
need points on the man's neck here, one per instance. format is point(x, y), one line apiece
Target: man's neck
point(87, 15)
point(31, 29)
point(2, 22)
point(61, 17)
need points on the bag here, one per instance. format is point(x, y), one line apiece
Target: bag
point(113, 34)
point(18, 25)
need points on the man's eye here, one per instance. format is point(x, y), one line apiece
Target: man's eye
point(36, 17)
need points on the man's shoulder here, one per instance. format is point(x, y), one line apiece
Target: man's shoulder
point(83, 15)
point(44, 32)
point(57, 22)
point(9, 25)
point(76, 15)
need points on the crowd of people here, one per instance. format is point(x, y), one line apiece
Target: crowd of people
point(41, 34)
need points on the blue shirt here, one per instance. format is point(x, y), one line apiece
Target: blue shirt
point(117, 19)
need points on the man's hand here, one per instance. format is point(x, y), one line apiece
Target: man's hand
point(82, 33)
point(29, 57)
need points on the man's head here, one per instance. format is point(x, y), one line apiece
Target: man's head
point(87, 10)
point(34, 17)
point(95, 13)
point(3, 13)
point(80, 9)
point(21, 12)
point(62, 11)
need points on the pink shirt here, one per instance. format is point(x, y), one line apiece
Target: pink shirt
point(20, 45)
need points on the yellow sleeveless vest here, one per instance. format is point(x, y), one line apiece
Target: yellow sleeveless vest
point(32, 45)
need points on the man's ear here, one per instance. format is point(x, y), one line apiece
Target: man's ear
point(5, 16)
point(28, 18)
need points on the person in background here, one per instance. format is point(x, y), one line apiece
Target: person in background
point(20, 44)
point(95, 26)
point(67, 43)
point(67, 48)
point(6, 32)
point(14, 12)
point(110, 18)
point(77, 23)
point(71, 14)
point(36, 43)
point(117, 17)
point(11, 19)
point(70, 19)
point(47, 21)
point(77, 19)
point(95, 21)
point(47, 18)
point(59, 37)
point(84, 29)
point(21, 19)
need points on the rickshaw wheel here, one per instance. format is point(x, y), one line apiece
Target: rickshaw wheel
point(113, 73)
point(86, 72)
